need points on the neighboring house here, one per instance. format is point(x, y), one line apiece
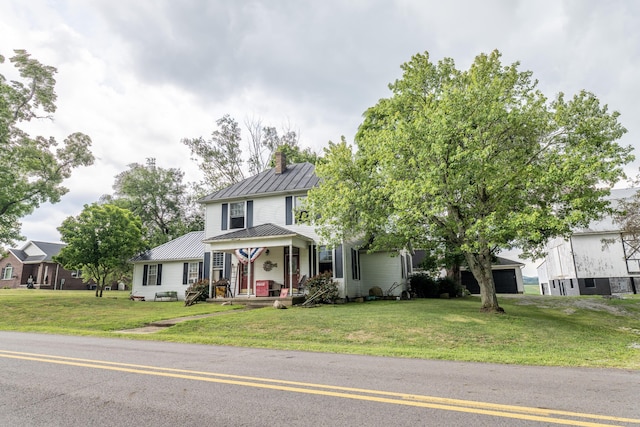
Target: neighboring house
point(172, 266)
point(36, 259)
point(507, 275)
point(597, 260)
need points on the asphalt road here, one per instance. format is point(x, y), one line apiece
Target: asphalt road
point(52, 380)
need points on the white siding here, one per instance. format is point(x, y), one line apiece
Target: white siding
point(212, 220)
point(32, 250)
point(559, 260)
point(382, 270)
point(595, 257)
point(171, 280)
point(268, 209)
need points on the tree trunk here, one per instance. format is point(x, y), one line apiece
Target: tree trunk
point(454, 273)
point(480, 266)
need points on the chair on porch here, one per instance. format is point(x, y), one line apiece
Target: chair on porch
point(300, 286)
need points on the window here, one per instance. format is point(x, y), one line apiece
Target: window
point(300, 212)
point(589, 283)
point(152, 274)
point(7, 273)
point(236, 215)
point(325, 259)
point(218, 260)
point(193, 272)
point(76, 273)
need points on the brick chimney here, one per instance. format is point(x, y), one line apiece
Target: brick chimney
point(281, 162)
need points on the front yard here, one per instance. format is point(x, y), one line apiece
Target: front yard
point(536, 330)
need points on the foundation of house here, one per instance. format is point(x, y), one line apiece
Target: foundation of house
point(259, 301)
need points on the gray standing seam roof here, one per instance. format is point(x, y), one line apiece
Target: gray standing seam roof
point(297, 176)
point(185, 247)
point(264, 230)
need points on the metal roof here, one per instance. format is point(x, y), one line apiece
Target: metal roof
point(189, 246)
point(297, 176)
point(264, 230)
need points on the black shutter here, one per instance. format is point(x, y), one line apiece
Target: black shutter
point(337, 262)
point(185, 273)
point(249, 213)
point(288, 210)
point(227, 267)
point(207, 265)
point(313, 258)
point(353, 265)
point(145, 273)
point(159, 275)
point(200, 270)
point(225, 215)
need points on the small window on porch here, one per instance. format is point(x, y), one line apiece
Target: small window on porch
point(218, 260)
point(325, 259)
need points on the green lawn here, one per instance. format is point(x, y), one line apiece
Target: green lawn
point(536, 330)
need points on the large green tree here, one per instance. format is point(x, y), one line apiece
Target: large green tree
point(33, 169)
point(160, 198)
point(479, 160)
point(221, 157)
point(100, 241)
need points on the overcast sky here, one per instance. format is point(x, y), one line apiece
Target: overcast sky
point(138, 76)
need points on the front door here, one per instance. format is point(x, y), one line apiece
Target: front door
point(245, 286)
point(295, 260)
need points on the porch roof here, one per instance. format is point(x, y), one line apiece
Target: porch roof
point(259, 236)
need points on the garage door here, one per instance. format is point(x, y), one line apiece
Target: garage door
point(505, 281)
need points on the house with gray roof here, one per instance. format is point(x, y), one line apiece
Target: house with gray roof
point(257, 235)
point(172, 266)
point(262, 222)
point(35, 259)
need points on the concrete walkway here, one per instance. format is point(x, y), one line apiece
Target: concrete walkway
point(162, 324)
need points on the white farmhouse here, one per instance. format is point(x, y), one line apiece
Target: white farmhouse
point(257, 236)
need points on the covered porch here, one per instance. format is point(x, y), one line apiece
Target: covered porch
point(268, 262)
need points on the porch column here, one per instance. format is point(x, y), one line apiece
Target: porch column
point(211, 273)
point(56, 279)
point(290, 268)
point(250, 286)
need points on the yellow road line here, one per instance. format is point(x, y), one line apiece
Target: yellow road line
point(468, 406)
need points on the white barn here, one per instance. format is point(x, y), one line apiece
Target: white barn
point(597, 260)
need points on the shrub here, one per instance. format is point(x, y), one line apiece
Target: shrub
point(423, 286)
point(323, 283)
point(446, 285)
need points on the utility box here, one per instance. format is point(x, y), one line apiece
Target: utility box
point(262, 288)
